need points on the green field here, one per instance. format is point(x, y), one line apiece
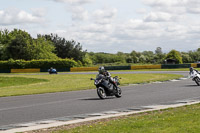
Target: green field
point(13, 85)
point(177, 120)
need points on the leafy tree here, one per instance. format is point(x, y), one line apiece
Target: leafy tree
point(4, 41)
point(186, 57)
point(135, 56)
point(1, 45)
point(148, 56)
point(16, 48)
point(66, 49)
point(4, 37)
point(87, 61)
point(99, 58)
point(159, 55)
point(129, 59)
point(41, 49)
point(159, 58)
point(76, 53)
point(158, 50)
point(19, 44)
point(194, 55)
point(122, 57)
point(142, 59)
point(173, 54)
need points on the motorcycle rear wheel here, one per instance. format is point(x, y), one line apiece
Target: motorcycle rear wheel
point(119, 92)
point(101, 93)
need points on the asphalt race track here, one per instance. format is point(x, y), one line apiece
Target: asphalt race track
point(30, 108)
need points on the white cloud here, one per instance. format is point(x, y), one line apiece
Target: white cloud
point(78, 13)
point(141, 11)
point(194, 10)
point(193, 6)
point(75, 7)
point(175, 6)
point(158, 17)
point(75, 2)
point(165, 2)
point(39, 12)
point(96, 28)
point(137, 30)
point(138, 24)
point(194, 29)
point(16, 16)
point(104, 16)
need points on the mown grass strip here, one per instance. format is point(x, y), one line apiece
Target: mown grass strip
point(69, 82)
point(177, 120)
point(16, 81)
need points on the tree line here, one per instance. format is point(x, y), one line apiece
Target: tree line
point(19, 45)
point(146, 57)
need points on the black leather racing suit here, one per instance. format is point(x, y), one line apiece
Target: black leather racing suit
point(109, 78)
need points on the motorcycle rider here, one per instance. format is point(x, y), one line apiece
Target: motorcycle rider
point(107, 75)
point(52, 70)
point(191, 69)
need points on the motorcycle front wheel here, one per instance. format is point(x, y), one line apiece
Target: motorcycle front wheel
point(101, 93)
point(119, 92)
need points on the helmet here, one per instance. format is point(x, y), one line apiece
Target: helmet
point(191, 69)
point(101, 70)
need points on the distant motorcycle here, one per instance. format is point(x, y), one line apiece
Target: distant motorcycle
point(195, 77)
point(105, 88)
point(52, 71)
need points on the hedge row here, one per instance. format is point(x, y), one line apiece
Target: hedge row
point(42, 64)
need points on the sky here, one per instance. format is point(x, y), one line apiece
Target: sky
point(109, 25)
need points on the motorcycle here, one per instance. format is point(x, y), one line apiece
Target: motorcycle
point(105, 88)
point(195, 77)
point(52, 71)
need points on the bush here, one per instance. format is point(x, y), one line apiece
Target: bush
point(45, 63)
point(173, 54)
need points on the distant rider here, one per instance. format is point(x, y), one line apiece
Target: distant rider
point(52, 70)
point(107, 75)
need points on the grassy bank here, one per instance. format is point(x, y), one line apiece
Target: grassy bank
point(177, 120)
point(39, 84)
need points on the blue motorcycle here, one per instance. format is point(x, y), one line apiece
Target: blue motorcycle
point(52, 71)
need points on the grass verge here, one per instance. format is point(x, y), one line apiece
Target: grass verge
point(65, 82)
point(176, 120)
point(15, 81)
